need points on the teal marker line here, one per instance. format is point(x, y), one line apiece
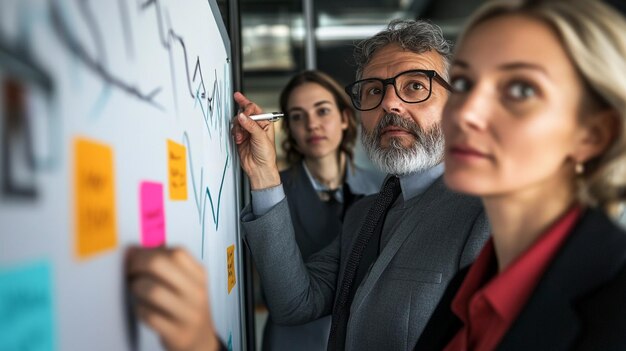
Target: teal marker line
point(215, 208)
point(101, 102)
point(216, 216)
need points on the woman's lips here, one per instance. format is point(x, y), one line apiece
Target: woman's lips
point(468, 153)
point(315, 139)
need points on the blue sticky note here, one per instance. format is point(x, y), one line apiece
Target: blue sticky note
point(26, 308)
point(230, 342)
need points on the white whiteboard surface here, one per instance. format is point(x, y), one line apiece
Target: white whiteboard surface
point(82, 79)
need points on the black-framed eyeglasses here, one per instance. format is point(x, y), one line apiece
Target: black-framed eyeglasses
point(411, 87)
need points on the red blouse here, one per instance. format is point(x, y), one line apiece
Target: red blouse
point(488, 303)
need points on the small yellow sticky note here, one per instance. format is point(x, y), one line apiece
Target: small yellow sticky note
point(94, 188)
point(230, 262)
point(177, 170)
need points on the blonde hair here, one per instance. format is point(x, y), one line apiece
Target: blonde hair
point(594, 36)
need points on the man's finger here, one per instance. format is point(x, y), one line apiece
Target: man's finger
point(238, 134)
point(241, 99)
point(247, 107)
point(249, 125)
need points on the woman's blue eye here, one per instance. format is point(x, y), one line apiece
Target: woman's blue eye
point(460, 84)
point(521, 91)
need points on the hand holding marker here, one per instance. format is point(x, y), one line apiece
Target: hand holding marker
point(271, 116)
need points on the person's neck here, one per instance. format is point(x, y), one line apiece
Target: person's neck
point(518, 219)
point(328, 170)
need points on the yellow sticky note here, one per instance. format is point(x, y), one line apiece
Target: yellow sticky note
point(94, 189)
point(177, 170)
point(230, 262)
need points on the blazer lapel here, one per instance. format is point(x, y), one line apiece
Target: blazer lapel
point(591, 256)
point(402, 230)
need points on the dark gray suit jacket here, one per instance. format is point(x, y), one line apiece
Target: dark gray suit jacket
point(437, 234)
point(578, 304)
point(315, 227)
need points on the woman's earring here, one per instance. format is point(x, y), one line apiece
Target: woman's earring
point(580, 168)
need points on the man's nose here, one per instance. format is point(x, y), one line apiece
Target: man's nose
point(391, 101)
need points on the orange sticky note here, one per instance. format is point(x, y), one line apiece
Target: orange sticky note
point(177, 170)
point(94, 188)
point(230, 263)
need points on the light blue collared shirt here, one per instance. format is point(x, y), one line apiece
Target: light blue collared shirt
point(412, 185)
point(415, 184)
point(319, 187)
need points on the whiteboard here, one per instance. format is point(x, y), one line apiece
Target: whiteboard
point(114, 118)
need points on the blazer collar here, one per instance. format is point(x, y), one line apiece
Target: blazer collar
point(591, 256)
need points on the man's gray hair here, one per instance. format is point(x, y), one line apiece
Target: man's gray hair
point(418, 36)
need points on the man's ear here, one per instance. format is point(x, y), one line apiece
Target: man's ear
point(598, 133)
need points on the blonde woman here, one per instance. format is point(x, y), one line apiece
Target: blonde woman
point(536, 126)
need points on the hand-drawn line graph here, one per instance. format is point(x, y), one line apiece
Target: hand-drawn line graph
point(211, 106)
point(209, 103)
point(167, 36)
point(136, 128)
point(206, 97)
point(96, 65)
point(205, 192)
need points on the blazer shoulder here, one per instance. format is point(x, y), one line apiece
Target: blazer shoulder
point(464, 199)
point(603, 314)
point(448, 202)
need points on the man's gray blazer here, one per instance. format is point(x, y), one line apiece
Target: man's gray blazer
point(435, 235)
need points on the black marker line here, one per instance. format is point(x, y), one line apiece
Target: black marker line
point(128, 33)
point(74, 46)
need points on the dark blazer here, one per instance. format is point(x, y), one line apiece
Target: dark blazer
point(314, 223)
point(579, 303)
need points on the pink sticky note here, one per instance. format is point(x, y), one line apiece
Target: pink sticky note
point(152, 214)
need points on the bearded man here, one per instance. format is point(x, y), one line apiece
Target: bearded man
point(383, 276)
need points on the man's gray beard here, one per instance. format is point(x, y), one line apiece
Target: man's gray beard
point(426, 152)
